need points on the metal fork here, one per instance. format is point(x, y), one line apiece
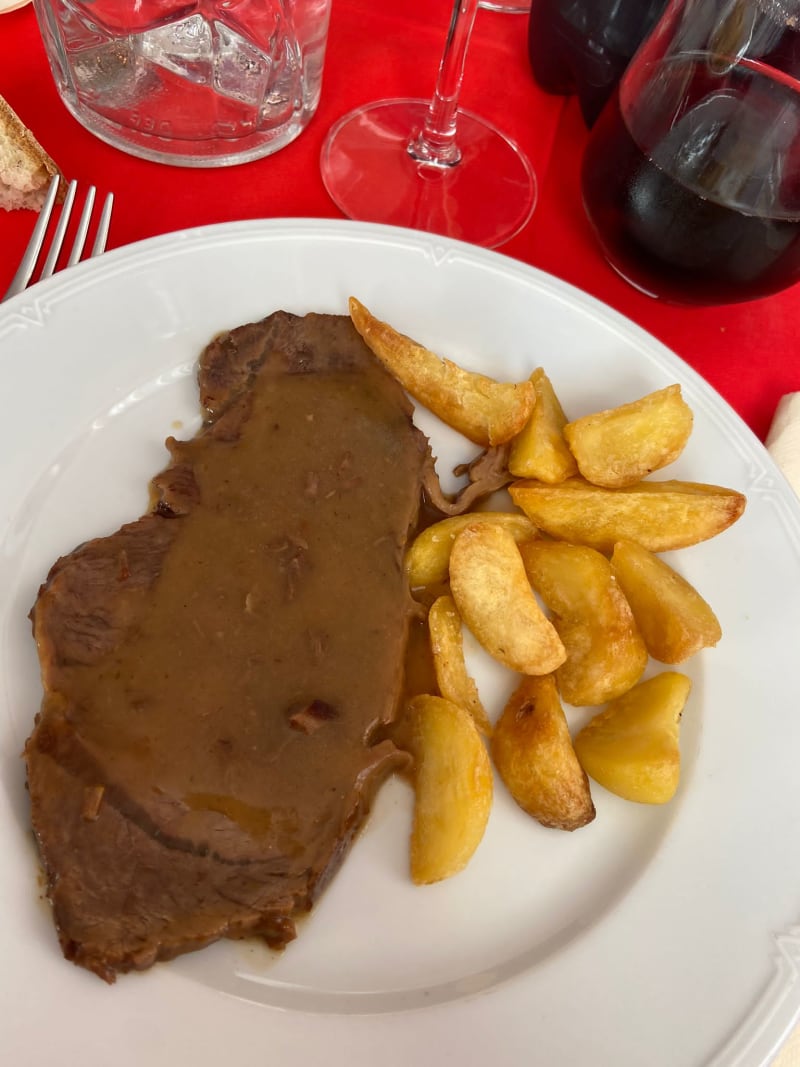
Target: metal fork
point(31, 255)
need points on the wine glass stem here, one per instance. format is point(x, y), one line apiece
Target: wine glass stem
point(435, 143)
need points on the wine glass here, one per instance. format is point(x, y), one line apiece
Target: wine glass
point(430, 165)
point(509, 8)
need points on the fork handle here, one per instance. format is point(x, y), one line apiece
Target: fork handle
point(28, 262)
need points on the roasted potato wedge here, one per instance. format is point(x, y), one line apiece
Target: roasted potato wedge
point(533, 754)
point(483, 410)
point(453, 788)
point(428, 559)
point(633, 747)
point(495, 600)
point(657, 515)
point(452, 677)
point(674, 620)
point(622, 445)
point(540, 450)
point(606, 654)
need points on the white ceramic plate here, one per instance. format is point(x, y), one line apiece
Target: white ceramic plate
point(655, 936)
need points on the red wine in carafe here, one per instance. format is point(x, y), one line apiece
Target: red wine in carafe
point(698, 216)
point(584, 46)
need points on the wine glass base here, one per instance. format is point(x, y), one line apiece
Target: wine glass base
point(485, 199)
point(507, 8)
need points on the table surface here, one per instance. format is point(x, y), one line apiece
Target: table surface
point(748, 352)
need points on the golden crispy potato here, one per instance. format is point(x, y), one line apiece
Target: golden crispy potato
point(622, 445)
point(658, 515)
point(428, 559)
point(453, 788)
point(674, 620)
point(632, 748)
point(532, 751)
point(605, 651)
point(484, 410)
point(452, 677)
point(540, 450)
point(495, 600)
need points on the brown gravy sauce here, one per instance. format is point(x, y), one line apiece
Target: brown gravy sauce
point(275, 593)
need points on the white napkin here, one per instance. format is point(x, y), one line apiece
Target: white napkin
point(783, 439)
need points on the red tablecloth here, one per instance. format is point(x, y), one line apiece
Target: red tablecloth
point(748, 352)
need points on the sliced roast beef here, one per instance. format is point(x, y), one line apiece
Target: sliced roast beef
point(217, 673)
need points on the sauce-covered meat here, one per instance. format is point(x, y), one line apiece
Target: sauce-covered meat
point(217, 673)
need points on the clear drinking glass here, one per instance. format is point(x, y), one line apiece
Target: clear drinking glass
point(194, 82)
point(428, 164)
point(691, 177)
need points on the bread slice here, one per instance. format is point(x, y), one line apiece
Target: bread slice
point(25, 167)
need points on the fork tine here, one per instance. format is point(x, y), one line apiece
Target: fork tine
point(101, 236)
point(83, 227)
point(31, 256)
point(60, 231)
point(28, 262)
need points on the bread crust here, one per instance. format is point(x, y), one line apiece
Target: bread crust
point(25, 167)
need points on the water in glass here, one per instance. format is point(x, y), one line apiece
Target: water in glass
point(198, 82)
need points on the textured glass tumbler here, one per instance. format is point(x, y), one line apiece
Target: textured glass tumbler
point(199, 83)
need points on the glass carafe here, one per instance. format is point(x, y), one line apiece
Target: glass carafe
point(584, 46)
point(691, 178)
